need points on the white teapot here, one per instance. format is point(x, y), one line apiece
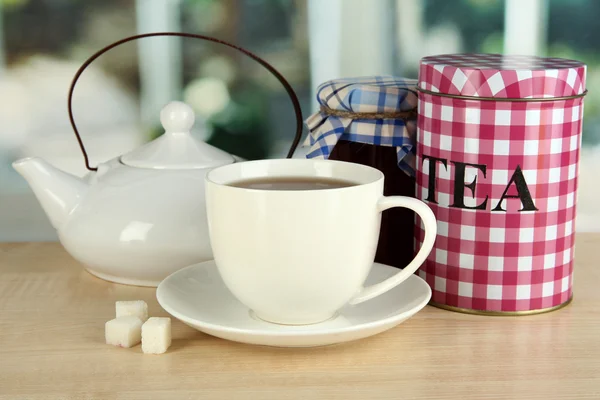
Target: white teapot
point(140, 216)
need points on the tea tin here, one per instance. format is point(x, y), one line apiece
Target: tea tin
point(498, 145)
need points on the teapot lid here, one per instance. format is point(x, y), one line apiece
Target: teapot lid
point(177, 148)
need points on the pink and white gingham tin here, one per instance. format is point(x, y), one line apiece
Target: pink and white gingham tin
point(497, 161)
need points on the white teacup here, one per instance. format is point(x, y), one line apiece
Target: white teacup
point(298, 256)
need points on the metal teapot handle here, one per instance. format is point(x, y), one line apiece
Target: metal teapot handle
point(284, 82)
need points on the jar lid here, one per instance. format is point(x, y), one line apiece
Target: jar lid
point(502, 76)
point(177, 148)
point(378, 110)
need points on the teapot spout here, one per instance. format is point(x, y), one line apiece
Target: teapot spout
point(58, 192)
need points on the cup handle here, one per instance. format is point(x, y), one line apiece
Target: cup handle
point(430, 224)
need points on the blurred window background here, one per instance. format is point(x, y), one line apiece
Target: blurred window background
point(240, 107)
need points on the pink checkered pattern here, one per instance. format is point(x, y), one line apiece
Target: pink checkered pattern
point(502, 76)
point(500, 260)
point(504, 255)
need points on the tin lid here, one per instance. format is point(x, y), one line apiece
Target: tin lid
point(502, 76)
point(177, 148)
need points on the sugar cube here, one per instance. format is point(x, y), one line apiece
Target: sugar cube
point(156, 335)
point(123, 331)
point(136, 308)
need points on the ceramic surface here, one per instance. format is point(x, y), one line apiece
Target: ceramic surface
point(298, 256)
point(138, 221)
point(197, 296)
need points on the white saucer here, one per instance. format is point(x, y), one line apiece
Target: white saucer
point(197, 296)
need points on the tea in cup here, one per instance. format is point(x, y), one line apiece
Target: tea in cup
point(295, 239)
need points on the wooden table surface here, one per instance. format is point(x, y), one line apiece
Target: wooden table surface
point(52, 316)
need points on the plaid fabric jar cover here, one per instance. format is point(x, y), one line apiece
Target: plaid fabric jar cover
point(375, 94)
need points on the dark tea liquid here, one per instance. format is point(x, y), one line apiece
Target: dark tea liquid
point(292, 183)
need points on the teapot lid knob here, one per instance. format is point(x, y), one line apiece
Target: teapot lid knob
point(177, 117)
point(177, 148)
